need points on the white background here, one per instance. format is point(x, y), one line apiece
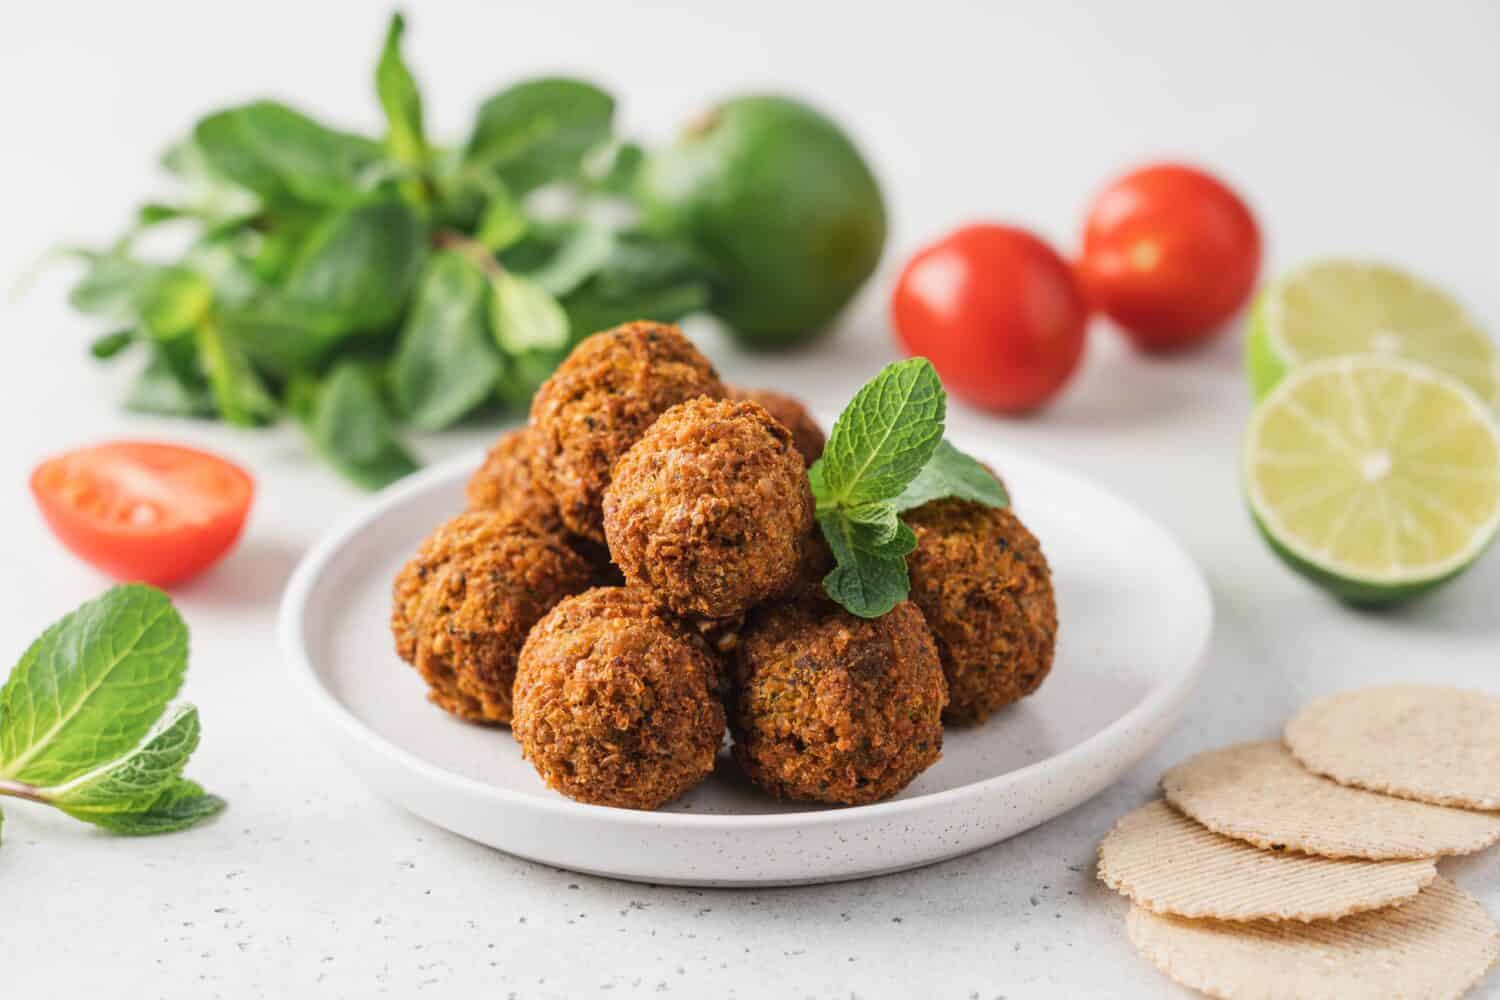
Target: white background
point(1367, 129)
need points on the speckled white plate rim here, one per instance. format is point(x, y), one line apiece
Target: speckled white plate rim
point(1163, 700)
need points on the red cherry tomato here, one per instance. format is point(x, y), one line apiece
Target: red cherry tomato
point(157, 513)
point(997, 312)
point(1170, 254)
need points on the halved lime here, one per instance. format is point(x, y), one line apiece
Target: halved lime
point(1332, 308)
point(1376, 477)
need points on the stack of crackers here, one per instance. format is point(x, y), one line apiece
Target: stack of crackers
point(1308, 868)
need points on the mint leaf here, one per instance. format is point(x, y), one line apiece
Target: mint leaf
point(111, 344)
point(622, 167)
point(282, 336)
point(538, 131)
point(884, 436)
point(284, 156)
point(532, 330)
point(524, 374)
point(951, 473)
point(359, 264)
point(92, 686)
point(870, 576)
point(349, 424)
point(173, 302)
point(502, 222)
point(241, 397)
point(78, 718)
point(171, 384)
point(879, 523)
point(524, 316)
point(134, 782)
point(112, 284)
point(400, 99)
point(817, 482)
point(446, 364)
point(579, 258)
point(181, 804)
point(210, 195)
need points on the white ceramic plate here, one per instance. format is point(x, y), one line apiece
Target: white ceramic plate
point(1135, 617)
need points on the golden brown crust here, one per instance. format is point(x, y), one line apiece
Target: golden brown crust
point(834, 708)
point(788, 411)
point(817, 562)
point(981, 580)
point(600, 401)
point(616, 704)
point(464, 604)
point(710, 509)
point(504, 482)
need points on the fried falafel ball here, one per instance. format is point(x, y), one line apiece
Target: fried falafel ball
point(723, 634)
point(981, 580)
point(834, 708)
point(617, 704)
point(791, 414)
point(504, 483)
point(464, 604)
point(599, 402)
point(711, 509)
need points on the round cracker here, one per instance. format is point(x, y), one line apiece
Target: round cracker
point(1432, 744)
point(1437, 945)
point(1257, 792)
point(1167, 863)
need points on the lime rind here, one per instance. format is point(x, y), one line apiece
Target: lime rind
point(1262, 365)
point(1361, 593)
point(1361, 585)
point(1357, 304)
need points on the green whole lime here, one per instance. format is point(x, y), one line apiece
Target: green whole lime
point(777, 198)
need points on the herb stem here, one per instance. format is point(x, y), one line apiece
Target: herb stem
point(478, 253)
point(21, 790)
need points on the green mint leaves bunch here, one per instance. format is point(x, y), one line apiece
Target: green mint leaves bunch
point(85, 724)
point(366, 285)
point(886, 455)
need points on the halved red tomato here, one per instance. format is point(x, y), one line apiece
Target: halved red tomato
point(142, 510)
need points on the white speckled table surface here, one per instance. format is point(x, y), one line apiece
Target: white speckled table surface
point(1352, 130)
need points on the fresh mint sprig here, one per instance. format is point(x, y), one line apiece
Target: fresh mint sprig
point(885, 455)
point(81, 718)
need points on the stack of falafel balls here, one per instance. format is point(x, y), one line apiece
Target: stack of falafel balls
point(641, 561)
